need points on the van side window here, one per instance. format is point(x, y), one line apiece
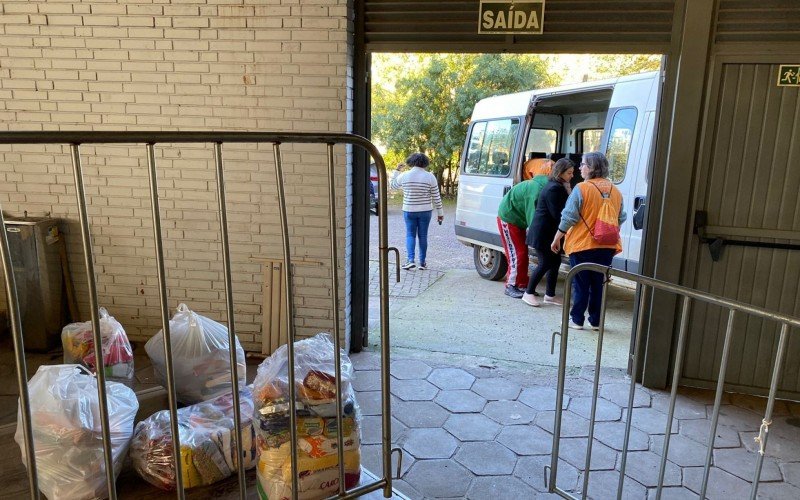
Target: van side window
point(589, 140)
point(490, 146)
point(541, 139)
point(620, 137)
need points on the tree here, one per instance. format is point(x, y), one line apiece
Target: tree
point(428, 107)
point(612, 65)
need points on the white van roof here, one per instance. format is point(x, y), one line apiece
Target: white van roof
point(516, 104)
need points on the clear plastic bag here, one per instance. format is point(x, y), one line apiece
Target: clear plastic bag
point(316, 422)
point(200, 353)
point(67, 431)
point(78, 342)
point(208, 450)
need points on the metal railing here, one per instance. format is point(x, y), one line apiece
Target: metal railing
point(75, 139)
point(644, 284)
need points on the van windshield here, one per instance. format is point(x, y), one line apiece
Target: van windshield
point(490, 147)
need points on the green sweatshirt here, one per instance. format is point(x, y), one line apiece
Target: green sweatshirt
point(519, 204)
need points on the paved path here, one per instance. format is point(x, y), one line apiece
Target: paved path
point(469, 431)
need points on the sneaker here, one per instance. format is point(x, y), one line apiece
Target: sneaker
point(575, 326)
point(514, 292)
point(552, 300)
point(531, 299)
point(595, 328)
point(409, 265)
point(423, 266)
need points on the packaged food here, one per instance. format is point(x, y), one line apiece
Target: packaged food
point(201, 361)
point(67, 430)
point(316, 422)
point(207, 437)
point(78, 342)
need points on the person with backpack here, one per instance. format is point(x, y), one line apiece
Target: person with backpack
point(590, 220)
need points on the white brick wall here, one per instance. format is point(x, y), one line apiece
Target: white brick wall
point(269, 65)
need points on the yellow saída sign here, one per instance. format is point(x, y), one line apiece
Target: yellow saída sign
point(789, 75)
point(519, 17)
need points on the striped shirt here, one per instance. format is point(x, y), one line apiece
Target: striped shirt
point(420, 190)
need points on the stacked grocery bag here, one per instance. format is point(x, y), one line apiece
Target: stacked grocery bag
point(202, 378)
point(67, 431)
point(77, 340)
point(316, 422)
point(208, 445)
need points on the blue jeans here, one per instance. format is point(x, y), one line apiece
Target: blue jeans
point(417, 227)
point(587, 286)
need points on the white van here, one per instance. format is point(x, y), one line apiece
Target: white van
point(614, 116)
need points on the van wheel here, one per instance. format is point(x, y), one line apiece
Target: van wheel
point(490, 264)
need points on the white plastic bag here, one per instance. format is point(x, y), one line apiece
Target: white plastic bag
point(67, 431)
point(200, 357)
point(78, 342)
point(316, 422)
point(208, 449)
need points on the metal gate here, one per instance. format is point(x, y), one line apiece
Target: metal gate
point(689, 296)
point(217, 139)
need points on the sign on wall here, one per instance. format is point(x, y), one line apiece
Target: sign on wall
point(789, 75)
point(520, 17)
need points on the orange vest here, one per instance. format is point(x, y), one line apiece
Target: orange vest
point(578, 236)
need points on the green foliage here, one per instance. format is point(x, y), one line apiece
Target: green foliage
point(429, 104)
point(613, 65)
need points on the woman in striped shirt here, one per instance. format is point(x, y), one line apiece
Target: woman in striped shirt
point(420, 195)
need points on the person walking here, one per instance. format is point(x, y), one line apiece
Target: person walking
point(590, 237)
point(543, 228)
point(420, 196)
point(513, 218)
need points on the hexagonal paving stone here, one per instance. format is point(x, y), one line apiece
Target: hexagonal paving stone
point(650, 421)
point(791, 473)
point(372, 429)
point(673, 493)
point(604, 484)
point(576, 387)
point(572, 425)
point(472, 427)
point(367, 381)
point(509, 412)
point(783, 443)
point(606, 410)
point(366, 360)
point(499, 487)
point(777, 491)
point(737, 418)
point(420, 413)
point(439, 478)
point(372, 459)
point(429, 443)
point(643, 466)
point(613, 435)
point(526, 440)
point(682, 450)
point(451, 378)
point(496, 388)
point(541, 398)
point(486, 458)
point(414, 390)
point(618, 394)
point(531, 470)
point(405, 369)
point(698, 431)
point(369, 402)
point(573, 450)
point(742, 463)
point(685, 408)
point(461, 401)
point(721, 485)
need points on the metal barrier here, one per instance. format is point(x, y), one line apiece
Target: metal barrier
point(150, 139)
point(643, 285)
